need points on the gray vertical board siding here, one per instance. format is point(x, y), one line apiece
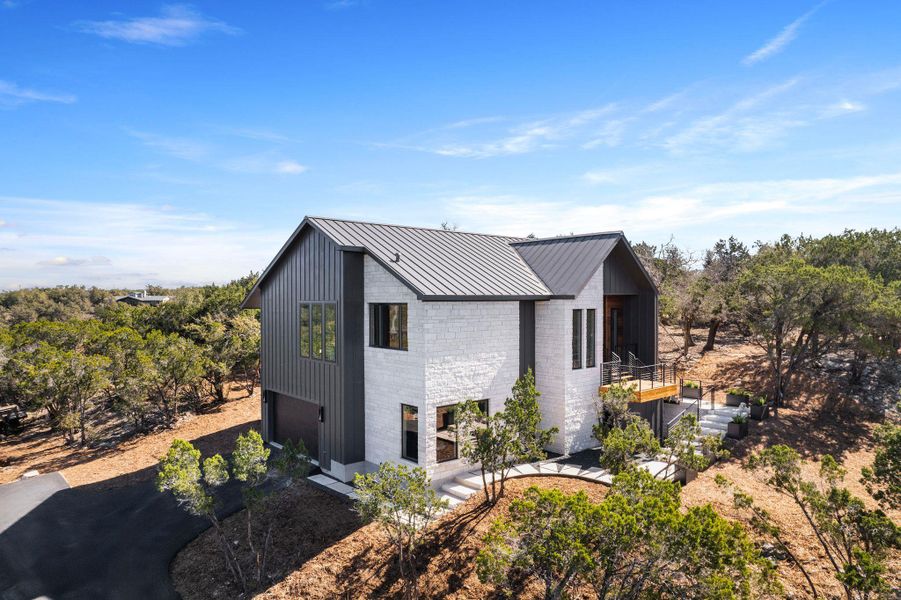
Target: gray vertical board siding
point(624, 276)
point(351, 352)
point(526, 336)
point(311, 270)
point(621, 276)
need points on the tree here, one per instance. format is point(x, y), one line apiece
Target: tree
point(250, 466)
point(229, 344)
point(177, 367)
point(883, 478)
point(762, 522)
point(499, 442)
point(194, 489)
point(613, 409)
point(635, 543)
point(680, 447)
point(796, 311)
point(130, 373)
point(621, 445)
point(722, 265)
point(401, 500)
point(548, 535)
point(854, 538)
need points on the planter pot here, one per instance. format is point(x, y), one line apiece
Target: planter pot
point(737, 431)
point(736, 399)
point(685, 476)
point(692, 393)
point(760, 412)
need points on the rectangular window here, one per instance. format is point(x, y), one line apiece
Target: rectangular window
point(331, 331)
point(305, 330)
point(577, 339)
point(316, 330)
point(446, 442)
point(410, 432)
point(590, 331)
point(388, 326)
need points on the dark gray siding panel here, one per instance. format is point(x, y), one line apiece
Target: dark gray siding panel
point(311, 270)
point(352, 358)
point(621, 276)
point(526, 337)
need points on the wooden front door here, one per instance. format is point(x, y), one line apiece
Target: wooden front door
point(613, 326)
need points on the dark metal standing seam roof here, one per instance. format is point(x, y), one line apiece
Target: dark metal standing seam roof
point(438, 264)
point(565, 264)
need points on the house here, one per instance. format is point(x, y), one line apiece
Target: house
point(142, 298)
point(372, 333)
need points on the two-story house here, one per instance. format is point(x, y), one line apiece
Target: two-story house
point(372, 334)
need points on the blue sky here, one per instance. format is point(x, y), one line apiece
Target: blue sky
point(144, 142)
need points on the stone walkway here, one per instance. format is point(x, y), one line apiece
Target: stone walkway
point(580, 466)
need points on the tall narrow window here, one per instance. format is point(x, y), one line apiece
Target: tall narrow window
point(331, 331)
point(409, 432)
point(305, 330)
point(388, 326)
point(590, 330)
point(577, 339)
point(316, 330)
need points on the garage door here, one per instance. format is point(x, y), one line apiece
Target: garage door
point(296, 419)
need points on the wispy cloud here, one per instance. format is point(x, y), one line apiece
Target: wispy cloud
point(783, 205)
point(781, 40)
point(177, 25)
point(125, 244)
point(68, 261)
point(521, 138)
point(12, 95)
point(212, 155)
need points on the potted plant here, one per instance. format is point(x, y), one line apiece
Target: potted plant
point(691, 389)
point(736, 396)
point(738, 427)
point(760, 410)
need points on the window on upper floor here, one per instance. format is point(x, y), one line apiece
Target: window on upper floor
point(577, 339)
point(446, 441)
point(388, 326)
point(319, 330)
point(590, 331)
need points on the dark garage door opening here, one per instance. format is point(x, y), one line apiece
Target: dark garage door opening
point(296, 419)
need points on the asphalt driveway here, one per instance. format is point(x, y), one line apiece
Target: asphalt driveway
point(92, 541)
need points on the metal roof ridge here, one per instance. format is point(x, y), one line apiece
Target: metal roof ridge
point(436, 229)
point(562, 238)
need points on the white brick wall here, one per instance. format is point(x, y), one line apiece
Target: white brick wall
point(567, 394)
point(391, 377)
point(456, 351)
point(470, 350)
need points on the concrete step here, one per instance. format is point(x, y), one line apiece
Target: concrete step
point(715, 425)
point(458, 490)
point(452, 501)
point(716, 418)
point(471, 480)
point(716, 432)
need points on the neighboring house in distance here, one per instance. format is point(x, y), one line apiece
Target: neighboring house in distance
point(371, 334)
point(141, 298)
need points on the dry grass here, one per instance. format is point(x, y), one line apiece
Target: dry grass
point(39, 448)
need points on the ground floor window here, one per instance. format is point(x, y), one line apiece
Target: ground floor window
point(446, 443)
point(410, 432)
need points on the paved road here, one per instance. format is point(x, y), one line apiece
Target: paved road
point(90, 542)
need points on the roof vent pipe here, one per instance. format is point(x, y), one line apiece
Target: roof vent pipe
point(396, 257)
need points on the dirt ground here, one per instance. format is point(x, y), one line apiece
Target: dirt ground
point(820, 419)
point(320, 550)
point(342, 559)
point(37, 448)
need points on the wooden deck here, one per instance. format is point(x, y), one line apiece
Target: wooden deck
point(646, 390)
